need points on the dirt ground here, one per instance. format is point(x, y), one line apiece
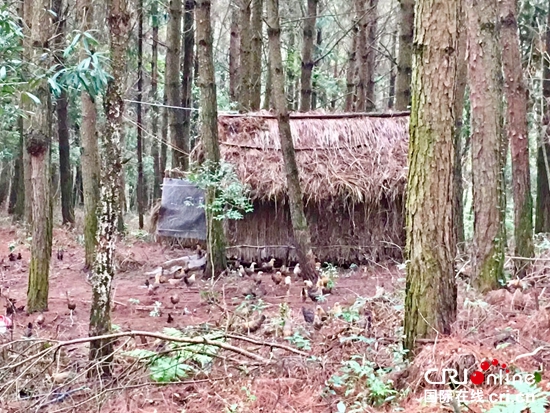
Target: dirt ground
point(234, 383)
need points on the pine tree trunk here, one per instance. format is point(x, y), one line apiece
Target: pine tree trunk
point(234, 53)
point(38, 143)
point(16, 205)
point(180, 154)
point(431, 294)
point(350, 74)
point(187, 64)
point(67, 210)
point(460, 82)
point(542, 209)
point(361, 10)
point(164, 134)
point(485, 78)
point(302, 237)
point(104, 268)
point(140, 190)
point(27, 15)
point(290, 75)
point(404, 57)
point(155, 153)
point(307, 56)
point(393, 69)
point(267, 93)
point(209, 130)
point(256, 55)
point(516, 97)
point(90, 157)
point(245, 84)
point(372, 19)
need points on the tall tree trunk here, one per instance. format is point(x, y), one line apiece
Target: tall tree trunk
point(372, 18)
point(141, 178)
point(431, 293)
point(302, 237)
point(256, 55)
point(316, 53)
point(361, 10)
point(27, 13)
point(516, 97)
point(234, 53)
point(393, 67)
point(350, 74)
point(542, 210)
point(460, 85)
point(180, 154)
point(404, 57)
point(209, 130)
point(164, 134)
point(290, 75)
point(485, 78)
point(104, 268)
point(17, 190)
point(267, 92)
point(307, 56)
point(89, 157)
point(155, 153)
point(187, 68)
point(67, 210)
point(245, 84)
point(38, 141)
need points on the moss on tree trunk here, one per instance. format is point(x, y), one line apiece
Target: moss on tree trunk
point(431, 293)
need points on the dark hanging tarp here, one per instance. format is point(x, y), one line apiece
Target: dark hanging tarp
point(181, 214)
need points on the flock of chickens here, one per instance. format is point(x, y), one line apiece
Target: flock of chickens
point(255, 286)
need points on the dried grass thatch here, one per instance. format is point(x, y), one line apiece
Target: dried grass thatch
point(356, 158)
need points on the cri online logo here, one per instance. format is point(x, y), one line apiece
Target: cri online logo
point(499, 375)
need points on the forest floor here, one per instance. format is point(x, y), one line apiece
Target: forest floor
point(353, 363)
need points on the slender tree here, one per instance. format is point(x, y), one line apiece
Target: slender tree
point(245, 63)
point(234, 45)
point(27, 16)
point(187, 69)
point(485, 79)
point(542, 215)
point(404, 57)
point(209, 129)
point(155, 153)
point(350, 73)
point(302, 237)
point(256, 54)
point(516, 97)
point(90, 155)
point(141, 178)
point(104, 268)
point(65, 176)
point(307, 56)
point(38, 144)
point(180, 158)
point(431, 293)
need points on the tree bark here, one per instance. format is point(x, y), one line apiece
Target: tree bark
point(350, 74)
point(16, 205)
point(164, 134)
point(245, 37)
point(404, 57)
point(209, 130)
point(155, 153)
point(542, 210)
point(187, 69)
point(90, 156)
point(27, 13)
point(180, 154)
point(516, 97)
point(485, 78)
point(302, 237)
point(67, 210)
point(104, 268)
point(234, 53)
point(307, 56)
point(38, 143)
point(431, 293)
point(460, 85)
point(256, 55)
point(267, 92)
point(141, 178)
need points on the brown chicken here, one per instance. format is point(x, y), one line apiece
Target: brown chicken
point(268, 266)
point(277, 277)
point(309, 315)
point(71, 305)
point(190, 280)
point(253, 325)
point(174, 299)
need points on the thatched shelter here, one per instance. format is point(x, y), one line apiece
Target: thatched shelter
point(353, 174)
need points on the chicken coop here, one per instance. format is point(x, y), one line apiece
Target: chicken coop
point(353, 175)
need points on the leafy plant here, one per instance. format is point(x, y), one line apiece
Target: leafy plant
point(177, 361)
point(155, 312)
point(352, 314)
point(231, 198)
point(530, 398)
point(299, 341)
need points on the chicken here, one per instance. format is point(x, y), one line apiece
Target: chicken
point(258, 277)
point(312, 292)
point(60, 254)
point(250, 270)
point(152, 288)
point(170, 318)
point(284, 270)
point(336, 310)
point(287, 328)
point(40, 319)
point(71, 305)
point(303, 294)
point(277, 277)
point(288, 281)
point(268, 266)
point(297, 270)
point(61, 377)
point(309, 315)
point(174, 299)
point(242, 271)
point(253, 325)
point(147, 283)
point(174, 281)
point(199, 251)
point(248, 290)
point(322, 313)
point(318, 320)
point(28, 332)
point(190, 280)
point(317, 266)
point(19, 256)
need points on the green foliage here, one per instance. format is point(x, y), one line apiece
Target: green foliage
point(531, 398)
point(299, 341)
point(177, 361)
point(352, 314)
point(231, 199)
point(363, 386)
point(155, 312)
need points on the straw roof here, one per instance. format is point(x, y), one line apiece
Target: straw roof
point(350, 157)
